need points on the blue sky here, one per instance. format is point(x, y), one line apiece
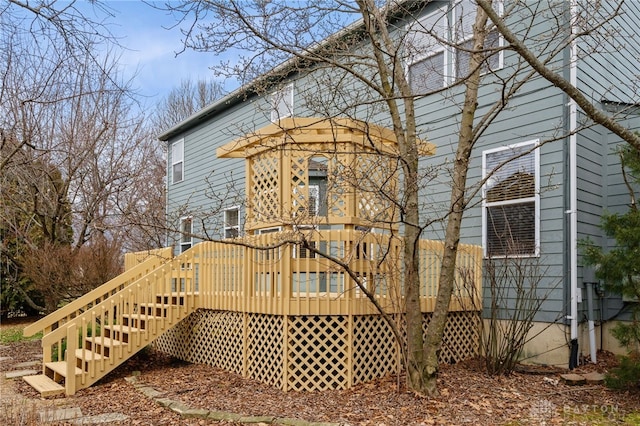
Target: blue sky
point(151, 49)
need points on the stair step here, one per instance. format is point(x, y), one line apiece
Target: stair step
point(60, 367)
point(174, 298)
point(44, 385)
point(139, 320)
point(87, 355)
point(123, 328)
point(121, 332)
point(105, 341)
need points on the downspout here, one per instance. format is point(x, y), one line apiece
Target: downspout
point(573, 189)
point(591, 323)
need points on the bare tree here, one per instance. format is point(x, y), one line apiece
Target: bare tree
point(369, 64)
point(73, 142)
point(182, 101)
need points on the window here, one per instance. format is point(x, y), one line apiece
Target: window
point(307, 206)
point(511, 200)
point(426, 55)
point(177, 161)
point(464, 14)
point(314, 200)
point(301, 252)
point(282, 103)
point(232, 222)
point(432, 63)
point(186, 231)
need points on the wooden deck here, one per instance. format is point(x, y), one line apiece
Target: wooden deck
point(288, 303)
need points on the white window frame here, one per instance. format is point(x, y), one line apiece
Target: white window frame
point(499, 7)
point(268, 230)
point(186, 237)
point(282, 103)
point(439, 48)
point(448, 22)
point(229, 228)
point(177, 157)
point(536, 198)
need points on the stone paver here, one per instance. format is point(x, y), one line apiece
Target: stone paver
point(60, 414)
point(19, 373)
point(594, 378)
point(573, 379)
point(100, 419)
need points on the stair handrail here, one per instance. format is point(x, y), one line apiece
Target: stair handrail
point(61, 332)
point(99, 294)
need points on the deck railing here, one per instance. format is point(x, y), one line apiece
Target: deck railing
point(294, 280)
point(94, 334)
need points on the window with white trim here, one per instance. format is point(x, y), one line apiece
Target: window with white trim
point(426, 54)
point(431, 63)
point(186, 233)
point(232, 222)
point(464, 15)
point(282, 103)
point(511, 202)
point(310, 204)
point(177, 161)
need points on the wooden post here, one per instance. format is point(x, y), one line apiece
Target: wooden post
point(70, 358)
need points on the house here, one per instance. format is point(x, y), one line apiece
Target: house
point(269, 168)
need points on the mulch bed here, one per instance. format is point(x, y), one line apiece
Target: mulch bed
point(467, 396)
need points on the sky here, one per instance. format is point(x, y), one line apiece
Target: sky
point(151, 46)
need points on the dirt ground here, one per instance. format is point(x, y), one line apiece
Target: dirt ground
point(467, 396)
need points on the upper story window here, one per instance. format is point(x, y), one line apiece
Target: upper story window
point(511, 200)
point(177, 161)
point(282, 103)
point(186, 231)
point(439, 47)
point(464, 15)
point(232, 222)
point(426, 52)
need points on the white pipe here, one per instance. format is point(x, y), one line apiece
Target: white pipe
point(573, 178)
point(592, 328)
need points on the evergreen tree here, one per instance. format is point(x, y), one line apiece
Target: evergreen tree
point(619, 267)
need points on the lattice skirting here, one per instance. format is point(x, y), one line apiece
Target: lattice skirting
point(306, 353)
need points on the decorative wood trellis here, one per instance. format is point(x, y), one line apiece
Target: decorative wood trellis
point(309, 352)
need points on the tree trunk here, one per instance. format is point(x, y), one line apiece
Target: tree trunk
point(446, 283)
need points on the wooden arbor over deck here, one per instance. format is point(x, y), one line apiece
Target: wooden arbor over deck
point(336, 172)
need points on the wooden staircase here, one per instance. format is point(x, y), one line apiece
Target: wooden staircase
point(85, 340)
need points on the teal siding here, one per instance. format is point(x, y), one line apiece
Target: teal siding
point(211, 184)
point(608, 67)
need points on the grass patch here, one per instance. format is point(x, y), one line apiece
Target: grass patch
point(14, 334)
